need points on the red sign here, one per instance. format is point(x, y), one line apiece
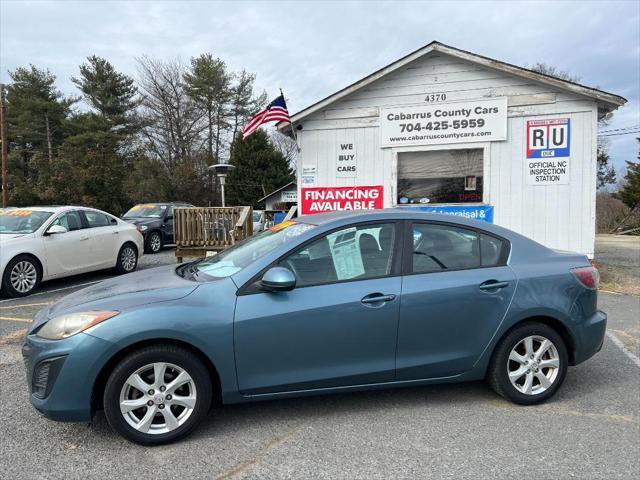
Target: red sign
point(329, 199)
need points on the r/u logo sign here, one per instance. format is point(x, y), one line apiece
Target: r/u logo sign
point(548, 138)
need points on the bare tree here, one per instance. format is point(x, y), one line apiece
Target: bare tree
point(287, 146)
point(172, 123)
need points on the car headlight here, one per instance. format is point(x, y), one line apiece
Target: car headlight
point(72, 323)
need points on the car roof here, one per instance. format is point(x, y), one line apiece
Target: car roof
point(343, 217)
point(56, 208)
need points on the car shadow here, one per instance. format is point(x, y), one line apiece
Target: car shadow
point(227, 421)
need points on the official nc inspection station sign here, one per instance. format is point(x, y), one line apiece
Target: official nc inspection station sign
point(456, 122)
point(548, 151)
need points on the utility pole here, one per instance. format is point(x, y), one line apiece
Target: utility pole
point(3, 138)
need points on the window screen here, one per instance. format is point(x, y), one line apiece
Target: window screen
point(442, 176)
point(348, 254)
point(95, 219)
point(443, 247)
point(70, 220)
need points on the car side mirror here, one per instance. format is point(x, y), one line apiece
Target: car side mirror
point(168, 217)
point(55, 229)
point(278, 279)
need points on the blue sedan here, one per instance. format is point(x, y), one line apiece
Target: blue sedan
point(328, 303)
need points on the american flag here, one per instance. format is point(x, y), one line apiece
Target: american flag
point(276, 111)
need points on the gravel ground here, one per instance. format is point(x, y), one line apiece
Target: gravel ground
point(618, 259)
point(589, 430)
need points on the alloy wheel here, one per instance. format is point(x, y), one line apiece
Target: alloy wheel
point(155, 242)
point(128, 259)
point(158, 398)
point(24, 276)
point(533, 365)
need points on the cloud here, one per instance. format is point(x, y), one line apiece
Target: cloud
point(312, 49)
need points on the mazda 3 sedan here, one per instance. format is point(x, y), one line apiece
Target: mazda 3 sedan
point(327, 303)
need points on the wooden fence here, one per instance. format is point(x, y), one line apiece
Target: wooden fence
point(199, 230)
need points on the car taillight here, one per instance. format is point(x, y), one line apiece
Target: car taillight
point(587, 276)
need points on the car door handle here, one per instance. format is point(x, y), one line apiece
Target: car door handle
point(116, 233)
point(377, 298)
point(493, 285)
point(82, 239)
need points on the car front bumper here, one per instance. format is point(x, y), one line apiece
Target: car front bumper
point(61, 374)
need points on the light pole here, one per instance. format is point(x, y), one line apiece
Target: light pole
point(221, 170)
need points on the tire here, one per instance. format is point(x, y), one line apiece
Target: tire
point(153, 242)
point(21, 277)
point(530, 387)
point(127, 260)
point(161, 418)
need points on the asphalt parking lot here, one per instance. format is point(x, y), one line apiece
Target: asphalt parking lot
point(591, 429)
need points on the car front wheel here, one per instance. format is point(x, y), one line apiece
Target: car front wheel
point(529, 364)
point(21, 276)
point(157, 395)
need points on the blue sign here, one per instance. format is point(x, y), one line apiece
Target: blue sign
point(475, 212)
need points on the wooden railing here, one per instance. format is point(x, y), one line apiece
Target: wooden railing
point(211, 228)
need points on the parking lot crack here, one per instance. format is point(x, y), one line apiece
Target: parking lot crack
point(244, 467)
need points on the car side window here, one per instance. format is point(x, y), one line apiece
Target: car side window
point(169, 212)
point(69, 220)
point(490, 250)
point(352, 253)
point(443, 247)
point(96, 219)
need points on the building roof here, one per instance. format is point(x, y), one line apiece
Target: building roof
point(276, 191)
point(607, 101)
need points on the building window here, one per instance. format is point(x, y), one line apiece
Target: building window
point(441, 176)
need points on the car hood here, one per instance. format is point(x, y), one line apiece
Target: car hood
point(12, 237)
point(132, 290)
point(142, 220)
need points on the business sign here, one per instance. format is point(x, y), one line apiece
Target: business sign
point(289, 196)
point(548, 138)
point(308, 176)
point(329, 199)
point(548, 150)
point(458, 122)
point(346, 162)
point(474, 212)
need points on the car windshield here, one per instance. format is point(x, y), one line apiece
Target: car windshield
point(19, 220)
point(244, 253)
point(146, 210)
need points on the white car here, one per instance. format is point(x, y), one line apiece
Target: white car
point(43, 243)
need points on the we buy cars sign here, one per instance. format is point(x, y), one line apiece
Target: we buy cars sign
point(329, 199)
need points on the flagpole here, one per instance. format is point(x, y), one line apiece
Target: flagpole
point(295, 137)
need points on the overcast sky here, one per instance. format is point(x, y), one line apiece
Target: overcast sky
point(312, 49)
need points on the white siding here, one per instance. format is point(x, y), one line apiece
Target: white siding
point(559, 216)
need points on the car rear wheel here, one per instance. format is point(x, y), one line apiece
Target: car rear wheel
point(21, 277)
point(127, 259)
point(154, 242)
point(529, 364)
point(157, 395)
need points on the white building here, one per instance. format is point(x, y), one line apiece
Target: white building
point(444, 129)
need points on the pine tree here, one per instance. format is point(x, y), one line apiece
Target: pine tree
point(111, 94)
point(630, 191)
point(259, 170)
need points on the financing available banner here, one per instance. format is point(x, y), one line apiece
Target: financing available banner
point(329, 199)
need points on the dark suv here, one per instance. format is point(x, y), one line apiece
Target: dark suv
point(155, 222)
